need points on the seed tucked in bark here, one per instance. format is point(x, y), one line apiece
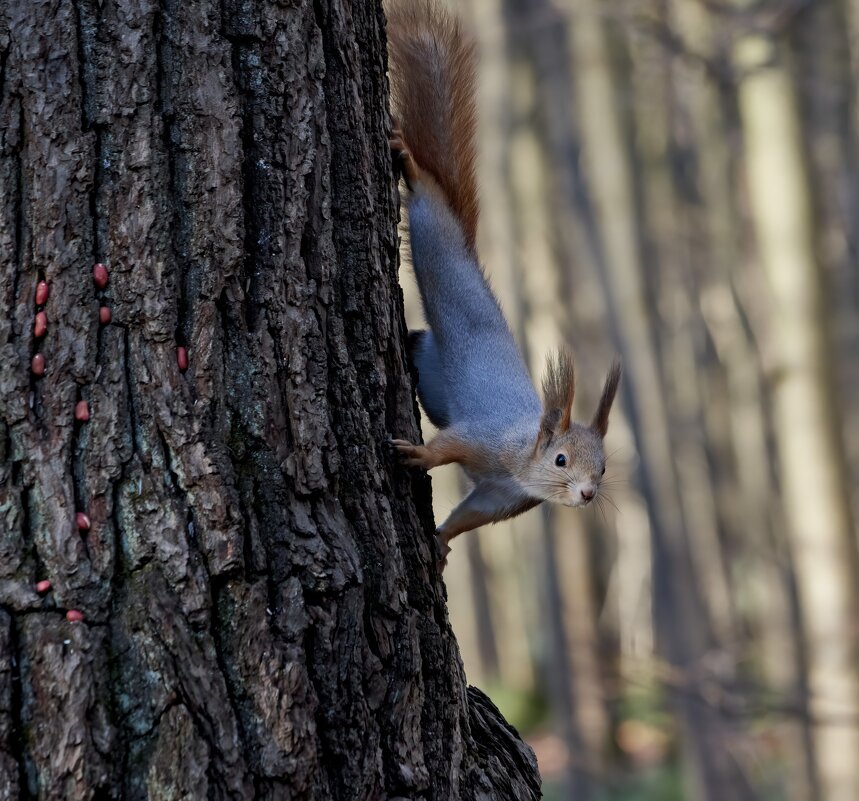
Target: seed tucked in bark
point(82, 411)
point(43, 586)
point(74, 616)
point(41, 324)
point(104, 315)
point(41, 293)
point(182, 358)
point(82, 521)
point(38, 364)
point(99, 275)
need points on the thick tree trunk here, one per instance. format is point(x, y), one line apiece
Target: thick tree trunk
point(262, 618)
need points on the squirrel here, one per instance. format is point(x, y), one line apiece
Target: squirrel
point(472, 380)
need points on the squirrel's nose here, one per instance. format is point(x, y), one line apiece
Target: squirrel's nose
point(588, 494)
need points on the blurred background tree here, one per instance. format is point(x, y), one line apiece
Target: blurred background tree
point(676, 181)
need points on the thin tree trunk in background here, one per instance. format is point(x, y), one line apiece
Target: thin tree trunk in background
point(763, 569)
point(537, 331)
point(659, 120)
point(686, 259)
point(683, 633)
point(571, 666)
point(546, 278)
point(263, 618)
point(828, 97)
point(615, 548)
point(850, 12)
point(812, 467)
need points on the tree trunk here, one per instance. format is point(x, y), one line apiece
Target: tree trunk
point(672, 243)
point(806, 422)
point(571, 663)
point(763, 566)
point(683, 630)
point(262, 617)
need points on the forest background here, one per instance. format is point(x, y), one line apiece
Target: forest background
point(215, 580)
point(677, 181)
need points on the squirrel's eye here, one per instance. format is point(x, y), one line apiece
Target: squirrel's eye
point(603, 471)
point(561, 460)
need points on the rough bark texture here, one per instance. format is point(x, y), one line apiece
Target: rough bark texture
point(263, 617)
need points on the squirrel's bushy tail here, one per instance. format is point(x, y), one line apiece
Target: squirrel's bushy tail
point(432, 67)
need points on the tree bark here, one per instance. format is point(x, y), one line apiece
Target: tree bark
point(262, 617)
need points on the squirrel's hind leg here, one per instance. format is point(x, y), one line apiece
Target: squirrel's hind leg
point(487, 503)
point(475, 510)
point(408, 166)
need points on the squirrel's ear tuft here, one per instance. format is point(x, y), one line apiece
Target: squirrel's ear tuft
point(600, 421)
point(559, 386)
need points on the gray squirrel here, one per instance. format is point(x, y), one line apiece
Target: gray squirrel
point(472, 381)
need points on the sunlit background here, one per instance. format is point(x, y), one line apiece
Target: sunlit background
point(677, 182)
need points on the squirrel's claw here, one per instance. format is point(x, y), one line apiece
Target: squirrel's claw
point(408, 166)
point(442, 550)
point(412, 455)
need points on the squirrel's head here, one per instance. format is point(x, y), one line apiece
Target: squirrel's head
point(568, 462)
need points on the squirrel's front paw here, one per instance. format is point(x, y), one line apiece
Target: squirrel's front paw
point(442, 550)
point(412, 455)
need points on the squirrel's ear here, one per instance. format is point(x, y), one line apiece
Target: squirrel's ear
point(548, 426)
point(559, 386)
point(600, 421)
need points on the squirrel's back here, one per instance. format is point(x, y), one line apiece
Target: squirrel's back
point(432, 67)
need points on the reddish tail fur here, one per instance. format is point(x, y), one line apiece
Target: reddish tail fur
point(432, 66)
